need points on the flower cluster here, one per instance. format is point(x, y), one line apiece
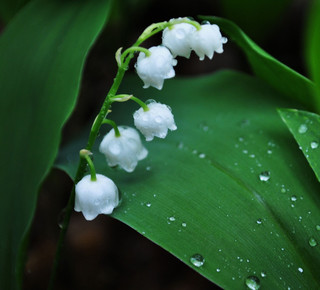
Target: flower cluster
point(122, 145)
point(178, 40)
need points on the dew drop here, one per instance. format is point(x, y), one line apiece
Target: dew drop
point(264, 176)
point(158, 120)
point(184, 225)
point(253, 282)
point(314, 145)
point(293, 198)
point(180, 145)
point(312, 242)
point(259, 221)
point(148, 204)
point(283, 190)
point(61, 217)
point(218, 270)
point(197, 260)
point(300, 270)
point(318, 227)
point(303, 129)
point(263, 274)
point(172, 218)
point(202, 155)
point(148, 168)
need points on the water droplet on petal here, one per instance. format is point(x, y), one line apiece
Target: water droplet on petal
point(197, 260)
point(253, 282)
point(303, 129)
point(264, 176)
point(312, 242)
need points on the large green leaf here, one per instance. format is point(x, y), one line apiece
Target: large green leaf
point(229, 184)
point(8, 8)
point(42, 53)
point(257, 18)
point(313, 45)
point(278, 75)
point(305, 127)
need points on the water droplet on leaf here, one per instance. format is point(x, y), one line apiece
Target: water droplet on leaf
point(264, 176)
point(253, 282)
point(293, 198)
point(312, 242)
point(314, 145)
point(197, 260)
point(303, 129)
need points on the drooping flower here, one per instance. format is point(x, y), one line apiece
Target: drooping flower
point(155, 122)
point(95, 197)
point(207, 40)
point(125, 150)
point(157, 67)
point(177, 39)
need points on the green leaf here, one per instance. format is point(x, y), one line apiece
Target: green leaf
point(42, 53)
point(202, 190)
point(313, 46)
point(8, 8)
point(281, 77)
point(257, 18)
point(305, 127)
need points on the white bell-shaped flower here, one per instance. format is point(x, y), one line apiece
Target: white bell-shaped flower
point(207, 40)
point(157, 67)
point(125, 150)
point(177, 39)
point(155, 122)
point(95, 197)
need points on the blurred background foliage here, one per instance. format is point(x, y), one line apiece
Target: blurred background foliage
point(106, 254)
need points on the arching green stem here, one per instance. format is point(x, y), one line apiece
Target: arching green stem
point(85, 154)
point(142, 104)
point(134, 49)
point(114, 126)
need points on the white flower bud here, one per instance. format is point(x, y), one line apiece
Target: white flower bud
point(177, 39)
point(207, 40)
point(155, 122)
point(157, 67)
point(96, 197)
point(125, 150)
